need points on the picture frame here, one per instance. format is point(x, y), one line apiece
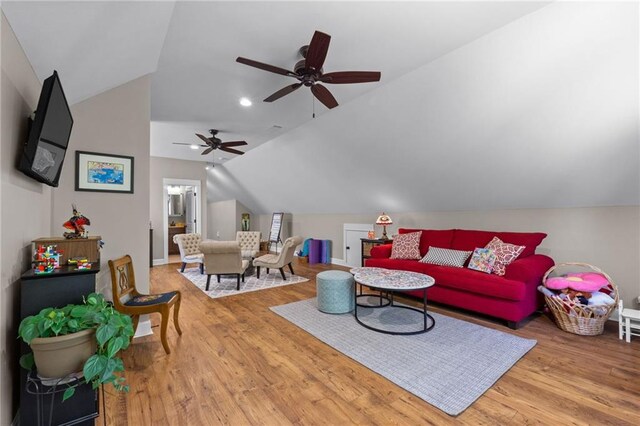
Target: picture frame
point(100, 172)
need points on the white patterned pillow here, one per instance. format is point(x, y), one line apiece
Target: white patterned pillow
point(505, 254)
point(446, 257)
point(406, 246)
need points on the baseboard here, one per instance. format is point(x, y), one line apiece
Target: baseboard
point(158, 262)
point(339, 262)
point(144, 329)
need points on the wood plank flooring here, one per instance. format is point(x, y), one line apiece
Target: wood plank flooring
point(238, 363)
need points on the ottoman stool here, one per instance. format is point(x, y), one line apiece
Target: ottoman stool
point(335, 292)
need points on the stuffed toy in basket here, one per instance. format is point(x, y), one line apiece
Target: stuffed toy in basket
point(580, 302)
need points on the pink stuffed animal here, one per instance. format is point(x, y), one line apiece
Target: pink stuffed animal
point(581, 282)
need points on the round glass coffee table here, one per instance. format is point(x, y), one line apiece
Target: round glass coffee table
point(388, 281)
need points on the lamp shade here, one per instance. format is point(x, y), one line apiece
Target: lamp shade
point(384, 219)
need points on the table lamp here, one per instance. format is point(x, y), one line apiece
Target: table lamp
point(384, 220)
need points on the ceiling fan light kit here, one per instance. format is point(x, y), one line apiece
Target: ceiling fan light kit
point(309, 72)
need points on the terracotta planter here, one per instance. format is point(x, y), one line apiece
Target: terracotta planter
point(60, 356)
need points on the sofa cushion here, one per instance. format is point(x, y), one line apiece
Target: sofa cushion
point(447, 257)
point(505, 254)
point(482, 260)
point(431, 238)
point(464, 239)
point(406, 246)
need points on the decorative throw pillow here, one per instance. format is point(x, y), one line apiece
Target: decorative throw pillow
point(406, 246)
point(482, 260)
point(505, 254)
point(446, 257)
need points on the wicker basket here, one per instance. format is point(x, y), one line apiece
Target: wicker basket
point(577, 318)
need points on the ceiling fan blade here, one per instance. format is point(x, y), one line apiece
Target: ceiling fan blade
point(347, 77)
point(265, 67)
point(317, 52)
point(206, 151)
point(284, 91)
point(324, 95)
point(207, 141)
point(231, 150)
point(233, 143)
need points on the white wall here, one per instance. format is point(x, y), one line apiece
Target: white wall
point(175, 169)
point(113, 122)
point(222, 217)
point(25, 207)
point(540, 113)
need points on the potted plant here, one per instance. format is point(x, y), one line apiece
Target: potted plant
point(83, 337)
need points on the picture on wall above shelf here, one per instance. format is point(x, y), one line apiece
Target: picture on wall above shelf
point(98, 172)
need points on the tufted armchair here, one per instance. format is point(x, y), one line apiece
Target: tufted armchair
point(189, 246)
point(223, 258)
point(249, 243)
point(281, 260)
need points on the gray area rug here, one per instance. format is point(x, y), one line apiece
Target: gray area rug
point(228, 284)
point(449, 367)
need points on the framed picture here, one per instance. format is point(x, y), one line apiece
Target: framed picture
point(104, 172)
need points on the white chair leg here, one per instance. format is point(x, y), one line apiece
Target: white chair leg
point(627, 323)
point(620, 327)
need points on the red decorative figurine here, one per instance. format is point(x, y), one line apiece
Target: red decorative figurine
point(76, 224)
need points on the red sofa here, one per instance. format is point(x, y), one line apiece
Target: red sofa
point(512, 297)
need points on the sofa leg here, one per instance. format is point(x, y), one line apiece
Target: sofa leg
point(257, 272)
point(514, 325)
point(267, 271)
point(218, 276)
point(202, 269)
point(208, 281)
point(291, 269)
point(184, 265)
point(243, 277)
point(282, 273)
point(238, 278)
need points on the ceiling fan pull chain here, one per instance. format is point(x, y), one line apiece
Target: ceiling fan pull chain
point(313, 106)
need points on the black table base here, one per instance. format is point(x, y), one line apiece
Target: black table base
point(389, 303)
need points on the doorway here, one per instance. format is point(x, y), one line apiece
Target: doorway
point(182, 213)
point(353, 232)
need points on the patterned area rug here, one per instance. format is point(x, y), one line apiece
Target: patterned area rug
point(228, 284)
point(449, 367)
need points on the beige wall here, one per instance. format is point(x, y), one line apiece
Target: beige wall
point(174, 169)
point(222, 219)
point(113, 122)
point(25, 207)
point(607, 237)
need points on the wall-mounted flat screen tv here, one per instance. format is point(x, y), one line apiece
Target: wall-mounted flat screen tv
point(49, 133)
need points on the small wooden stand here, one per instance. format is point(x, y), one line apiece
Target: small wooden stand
point(79, 247)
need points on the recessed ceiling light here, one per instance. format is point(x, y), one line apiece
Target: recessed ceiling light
point(194, 146)
point(246, 102)
point(207, 168)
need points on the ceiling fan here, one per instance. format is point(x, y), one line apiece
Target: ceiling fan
point(214, 142)
point(309, 72)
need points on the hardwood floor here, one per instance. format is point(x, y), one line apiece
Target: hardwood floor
point(238, 363)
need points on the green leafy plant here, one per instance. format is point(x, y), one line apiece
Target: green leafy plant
point(113, 334)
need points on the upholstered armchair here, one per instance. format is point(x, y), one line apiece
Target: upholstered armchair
point(189, 246)
point(279, 261)
point(249, 243)
point(223, 258)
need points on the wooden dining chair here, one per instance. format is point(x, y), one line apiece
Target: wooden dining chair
point(127, 299)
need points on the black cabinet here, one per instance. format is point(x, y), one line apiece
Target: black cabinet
point(57, 289)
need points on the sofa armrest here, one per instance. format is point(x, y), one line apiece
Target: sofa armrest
point(382, 251)
point(530, 269)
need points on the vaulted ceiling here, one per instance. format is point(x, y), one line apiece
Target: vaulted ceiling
point(190, 48)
